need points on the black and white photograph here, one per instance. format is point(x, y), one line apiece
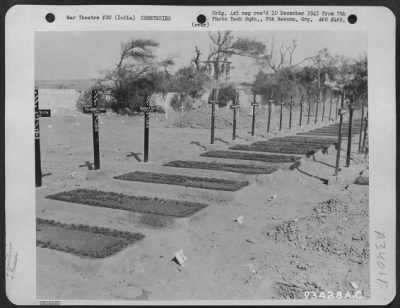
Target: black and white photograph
point(191, 155)
point(182, 165)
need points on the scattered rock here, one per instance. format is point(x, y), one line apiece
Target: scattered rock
point(302, 266)
point(362, 180)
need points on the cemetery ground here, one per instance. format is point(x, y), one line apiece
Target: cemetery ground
point(298, 234)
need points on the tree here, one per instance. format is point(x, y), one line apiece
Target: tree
point(137, 72)
point(224, 45)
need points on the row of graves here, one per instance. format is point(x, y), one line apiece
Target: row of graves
point(280, 152)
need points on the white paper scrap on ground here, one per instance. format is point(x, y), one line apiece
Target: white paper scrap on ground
point(239, 220)
point(180, 257)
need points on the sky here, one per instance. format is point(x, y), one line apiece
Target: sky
point(87, 54)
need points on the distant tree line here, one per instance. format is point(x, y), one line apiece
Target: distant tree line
point(139, 71)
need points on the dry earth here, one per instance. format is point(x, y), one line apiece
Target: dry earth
point(311, 237)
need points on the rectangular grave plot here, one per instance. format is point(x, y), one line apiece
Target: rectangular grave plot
point(306, 139)
point(274, 149)
point(271, 158)
point(247, 169)
point(291, 144)
point(182, 180)
point(146, 205)
point(82, 240)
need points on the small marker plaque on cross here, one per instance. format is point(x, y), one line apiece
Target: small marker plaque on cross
point(39, 113)
point(95, 110)
point(342, 111)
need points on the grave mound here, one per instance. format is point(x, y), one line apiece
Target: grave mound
point(82, 240)
point(248, 169)
point(252, 156)
point(164, 207)
point(182, 180)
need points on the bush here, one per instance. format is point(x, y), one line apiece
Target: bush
point(226, 94)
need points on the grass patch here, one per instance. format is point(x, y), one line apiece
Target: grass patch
point(182, 180)
point(82, 240)
point(251, 156)
point(274, 148)
point(119, 201)
point(248, 169)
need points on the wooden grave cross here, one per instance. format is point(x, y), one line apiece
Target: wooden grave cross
point(95, 110)
point(301, 110)
point(280, 119)
point(39, 113)
point(254, 104)
point(235, 106)
point(213, 99)
point(270, 101)
point(147, 109)
point(341, 112)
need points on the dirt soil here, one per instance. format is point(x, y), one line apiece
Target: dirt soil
point(284, 234)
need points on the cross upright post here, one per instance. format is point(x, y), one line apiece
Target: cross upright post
point(323, 110)
point(280, 118)
point(341, 112)
point(146, 109)
point(365, 134)
point(361, 127)
point(270, 101)
point(316, 110)
point(330, 107)
point(301, 110)
point(235, 106)
point(213, 99)
point(254, 104)
point(351, 109)
point(337, 109)
point(309, 108)
point(39, 113)
point(290, 112)
point(95, 110)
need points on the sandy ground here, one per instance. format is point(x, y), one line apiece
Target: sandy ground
point(311, 237)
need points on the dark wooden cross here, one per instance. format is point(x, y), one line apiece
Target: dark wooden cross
point(39, 113)
point(147, 109)
point(309, 107)
point(270, 101)
point(290, 112)
point(235, 106)
point(301, 110)
point(361, 126)
point(330, 107)
point(95, 110)
point(213, 99)
point(316, 109)
point(349, 136)
point(341, 112)
point(253, 123)
point(280, 119)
